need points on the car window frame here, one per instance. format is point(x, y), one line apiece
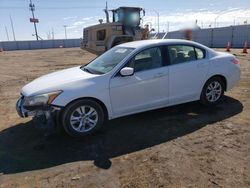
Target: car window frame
point(190, 45)
point(163, 56)
point(203, 50)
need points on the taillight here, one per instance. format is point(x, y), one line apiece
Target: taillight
point(236, 61)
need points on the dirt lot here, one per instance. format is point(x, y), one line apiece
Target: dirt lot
point(182, 146)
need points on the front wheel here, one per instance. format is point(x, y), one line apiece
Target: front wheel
point(212, 91)
point(83, 117)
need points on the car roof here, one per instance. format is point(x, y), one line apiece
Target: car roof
point(156, 42)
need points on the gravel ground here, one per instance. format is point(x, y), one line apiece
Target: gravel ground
point(182, 146)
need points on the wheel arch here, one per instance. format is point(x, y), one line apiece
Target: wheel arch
point(101, 103)
point(222, 77)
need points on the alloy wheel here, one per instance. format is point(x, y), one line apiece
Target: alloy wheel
point(214, 91)
point(84, 119)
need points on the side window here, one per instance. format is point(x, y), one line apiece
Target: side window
point(147, 59)
point(200, 54)
point(181, 53)
point(101, 34)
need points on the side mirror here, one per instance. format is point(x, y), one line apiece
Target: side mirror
point(127, 71)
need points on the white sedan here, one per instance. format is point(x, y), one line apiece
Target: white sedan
point(130, 78)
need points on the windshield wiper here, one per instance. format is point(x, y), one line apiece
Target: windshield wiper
point(87, 70)
point(91, 71)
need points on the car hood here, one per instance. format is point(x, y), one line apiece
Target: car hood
point(55, 81)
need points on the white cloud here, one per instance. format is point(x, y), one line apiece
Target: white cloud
point(75, 26)
point(79, 23)
point(87, 19)
point(180, 20)
point(84, 22)
point(72, 27)
point(70, 18)
point(177, 20)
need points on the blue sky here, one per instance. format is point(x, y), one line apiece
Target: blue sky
point(77, 14)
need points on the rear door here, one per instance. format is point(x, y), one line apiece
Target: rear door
point(187, 71)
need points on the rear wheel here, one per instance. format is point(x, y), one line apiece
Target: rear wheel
point(212, 91)
point(83, 117)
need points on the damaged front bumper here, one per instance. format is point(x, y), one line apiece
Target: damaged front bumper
point(44, 113)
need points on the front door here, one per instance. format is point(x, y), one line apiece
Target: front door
point(146, 89)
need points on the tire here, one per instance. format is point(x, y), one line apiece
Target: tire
point(213, 91)
point(82, 117)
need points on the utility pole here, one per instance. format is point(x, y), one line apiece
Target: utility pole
point(33, 19)
point(53, 33)
point(7, 34)
point(12, 26)
point(65, 31)
point(48, 35)
point(158, 20)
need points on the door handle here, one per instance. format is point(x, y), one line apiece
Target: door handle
point(158, 75)
point(201, 65)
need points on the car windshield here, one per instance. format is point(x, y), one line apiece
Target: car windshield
point(107, 61)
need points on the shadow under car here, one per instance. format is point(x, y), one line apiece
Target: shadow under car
point(24, 148)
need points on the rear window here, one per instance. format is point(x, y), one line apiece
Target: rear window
point(184, 53)
point(200, 53)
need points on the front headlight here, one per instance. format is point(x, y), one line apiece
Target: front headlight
point(41, 100)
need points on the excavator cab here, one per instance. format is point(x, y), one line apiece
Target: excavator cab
point(128, 16)
point(124, 27)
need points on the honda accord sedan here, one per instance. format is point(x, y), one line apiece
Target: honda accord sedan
point(130, 78)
